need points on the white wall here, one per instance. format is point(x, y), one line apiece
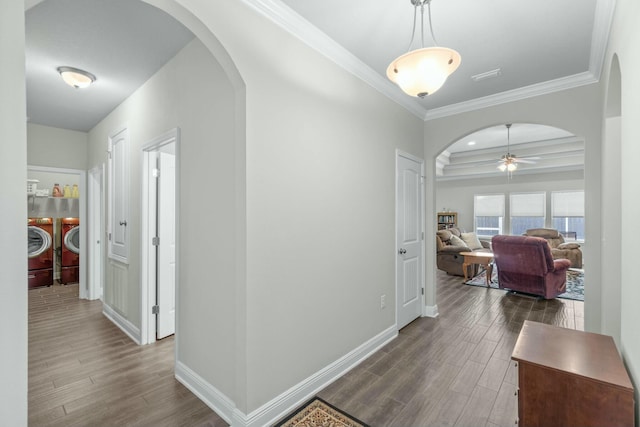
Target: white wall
point(625, 38)
point(13, 214)
point(55, 147)
point(320, 161)
point(202, 106)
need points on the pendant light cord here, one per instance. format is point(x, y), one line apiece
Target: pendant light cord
point(413, 30)
point(415, 18)
point(430, 25)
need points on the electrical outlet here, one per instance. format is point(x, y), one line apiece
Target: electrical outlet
point(383, 301)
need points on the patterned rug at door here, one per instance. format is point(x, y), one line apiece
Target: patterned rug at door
point(318, 413)
point(575, 283)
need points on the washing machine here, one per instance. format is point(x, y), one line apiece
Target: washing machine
point(70, 254)
point(40, 252)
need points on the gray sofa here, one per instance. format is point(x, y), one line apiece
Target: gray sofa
point(448, 256)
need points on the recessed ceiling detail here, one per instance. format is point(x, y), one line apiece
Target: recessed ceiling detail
point(541, 149)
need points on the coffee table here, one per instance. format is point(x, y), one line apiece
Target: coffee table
point(481, 258)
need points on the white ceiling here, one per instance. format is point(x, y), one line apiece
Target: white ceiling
point(540, 47)
point(121, 42)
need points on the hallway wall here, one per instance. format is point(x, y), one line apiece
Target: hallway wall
point(202, 107)
point(13, 211)
point(624, 40)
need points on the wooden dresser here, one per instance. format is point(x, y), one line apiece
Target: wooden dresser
point(570, 378)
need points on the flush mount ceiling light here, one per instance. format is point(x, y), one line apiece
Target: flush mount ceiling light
point(75, 77)
point(423, 71)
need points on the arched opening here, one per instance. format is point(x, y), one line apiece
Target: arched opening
point(200, 145)
point(473, 182)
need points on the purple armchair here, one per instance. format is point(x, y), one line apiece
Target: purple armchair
point(525, 264)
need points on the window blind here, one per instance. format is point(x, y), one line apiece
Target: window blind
point(567, 204)
point(527, 204)
point(488, 204)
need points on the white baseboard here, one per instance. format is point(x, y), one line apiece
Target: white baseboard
point(430, 311)
point(211, 396)
point(117, 319)
point(281, 405)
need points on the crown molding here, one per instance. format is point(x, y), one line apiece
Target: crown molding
point(285, 17)
point(603, 20)
point(292, 22)
point(497, 173)
point(519, 94)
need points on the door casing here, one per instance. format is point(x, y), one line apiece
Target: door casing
point(148, 322)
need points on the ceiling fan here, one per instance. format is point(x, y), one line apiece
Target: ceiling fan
point(509, 162)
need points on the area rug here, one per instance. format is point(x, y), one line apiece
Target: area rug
point(318, 413)
point(575, 283)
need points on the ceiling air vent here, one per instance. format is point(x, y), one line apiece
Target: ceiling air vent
point(487, 75)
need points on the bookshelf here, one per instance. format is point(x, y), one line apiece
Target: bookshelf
point(447, 220)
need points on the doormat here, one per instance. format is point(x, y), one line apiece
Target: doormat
point(318, 413)
point(575, 283)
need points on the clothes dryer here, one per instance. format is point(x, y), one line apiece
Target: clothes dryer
point(70, 254)
point(40, 252)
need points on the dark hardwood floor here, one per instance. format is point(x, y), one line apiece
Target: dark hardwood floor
point(451, 370)
point(84, 371)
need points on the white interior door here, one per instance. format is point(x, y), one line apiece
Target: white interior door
point(409, 248)
point(166, 259)
point(96, 231)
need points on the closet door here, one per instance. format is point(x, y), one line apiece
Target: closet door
point(119, 195)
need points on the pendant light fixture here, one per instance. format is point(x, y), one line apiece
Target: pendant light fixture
point(423, 71)
point(75, 77)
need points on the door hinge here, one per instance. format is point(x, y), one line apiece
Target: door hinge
point(423, 235)
point(109, 236)
point(155, 172)
point(109, 153)
point(155, 309)
point(422, 291)
point(155, 241)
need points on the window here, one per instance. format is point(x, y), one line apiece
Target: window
point(567, 213)
point(488, 214)
point(527, 211)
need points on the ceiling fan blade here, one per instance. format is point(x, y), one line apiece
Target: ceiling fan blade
point(524, 161)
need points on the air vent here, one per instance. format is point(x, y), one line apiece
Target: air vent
point(487, 75)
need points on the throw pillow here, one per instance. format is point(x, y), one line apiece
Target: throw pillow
point(456, 241)
point(471, 240)
point(568, 246)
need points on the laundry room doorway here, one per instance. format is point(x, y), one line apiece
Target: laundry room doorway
point(69, 204)
point(159, 236)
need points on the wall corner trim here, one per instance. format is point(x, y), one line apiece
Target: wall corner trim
point(430, 311)
point(281, 405)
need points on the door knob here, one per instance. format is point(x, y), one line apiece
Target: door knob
point(402, 251)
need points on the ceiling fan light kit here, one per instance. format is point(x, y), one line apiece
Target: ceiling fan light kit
point(509, 162)
point(421, 72)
